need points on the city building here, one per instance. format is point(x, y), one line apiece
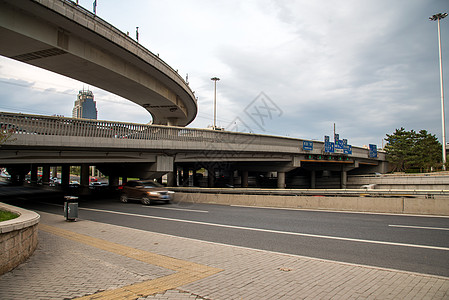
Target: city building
point(85, 106)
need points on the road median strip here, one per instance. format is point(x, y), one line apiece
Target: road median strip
point(186, 272)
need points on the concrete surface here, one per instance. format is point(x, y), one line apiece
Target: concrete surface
point(100, 261)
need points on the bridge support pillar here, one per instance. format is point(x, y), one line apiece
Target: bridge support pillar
point(194, 178)
point(244, 179)
point(281, 180)
point(344, 179)
point(171, 178)
point(179, 177)
point(84, 179)
point(313, 179)
point(113, 181)
point(65, 175)
point(210, 177)
point(33, 178)
point(231, 178)
point(185, 176)
point(46, 175)
point(54, 172)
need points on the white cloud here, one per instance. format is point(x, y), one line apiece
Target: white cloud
point(370, 67)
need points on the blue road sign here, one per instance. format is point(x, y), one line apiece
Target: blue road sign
point(372, 151)
point(307, 145)
point(329, 147)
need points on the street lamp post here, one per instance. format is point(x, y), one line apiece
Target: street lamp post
point(215, 79)
point(437, 18)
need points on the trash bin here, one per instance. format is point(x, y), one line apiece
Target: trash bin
point(71, 208)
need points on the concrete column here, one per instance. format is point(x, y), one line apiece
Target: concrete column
point(65, 175)
point(171, 179)
point(313, 179)
point(46, 175)
point(179, 178)
point(172, 121)
point(84, 176)
point(195, 179)
point(281, 180)
point(231, 178)
point(33, 178)
point(344, 179)
point(185, 176)
point(54, 171)
point(113, 181)
point(210, 178)
point(244, 179)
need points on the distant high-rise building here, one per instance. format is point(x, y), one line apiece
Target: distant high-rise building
point(85, 106)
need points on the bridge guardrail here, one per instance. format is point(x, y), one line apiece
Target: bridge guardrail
point(24, 124)
point(316, 192)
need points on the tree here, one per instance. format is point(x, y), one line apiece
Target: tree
point(410, 150)
point(5, 134)
point(398, 148)
point(427, 151)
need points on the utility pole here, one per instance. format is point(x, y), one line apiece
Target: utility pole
point(437, 18)
point(215, 79)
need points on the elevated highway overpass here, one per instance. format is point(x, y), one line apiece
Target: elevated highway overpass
point(62, 37)
point(150, 151)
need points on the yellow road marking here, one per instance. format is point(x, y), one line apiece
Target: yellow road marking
point(186, 272)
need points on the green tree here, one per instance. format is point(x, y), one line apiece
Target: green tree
point(399, 149)
point(411, 150)
point(427, 151)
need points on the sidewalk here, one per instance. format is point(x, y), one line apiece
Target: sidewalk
point(101, 261)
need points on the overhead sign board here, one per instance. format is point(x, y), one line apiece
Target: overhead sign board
point(329, 147)
point(372, 151)
point(338, 146)
point(307, 145)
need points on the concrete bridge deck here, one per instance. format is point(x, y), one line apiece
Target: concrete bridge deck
point(62, 37)
point(137, 150)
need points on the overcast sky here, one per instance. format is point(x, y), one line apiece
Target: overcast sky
point(291, 68)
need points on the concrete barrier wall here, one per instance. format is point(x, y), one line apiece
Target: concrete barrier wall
point(18, 237)
point(436, 206)
point(395, 182)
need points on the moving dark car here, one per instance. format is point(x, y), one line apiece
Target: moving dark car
point(145, 191)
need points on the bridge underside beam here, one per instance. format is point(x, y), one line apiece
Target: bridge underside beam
point(35, 34)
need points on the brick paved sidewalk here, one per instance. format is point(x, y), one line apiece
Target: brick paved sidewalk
point(112, 262)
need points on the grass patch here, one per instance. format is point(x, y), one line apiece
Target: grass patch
point(7, 215)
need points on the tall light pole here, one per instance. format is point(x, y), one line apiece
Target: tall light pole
point(437, 18)
point(215, 79)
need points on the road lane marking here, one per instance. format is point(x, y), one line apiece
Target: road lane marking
point(341, 211)
point(181, 209)
point(419, 227)
point(185, 271)
point(275, 231)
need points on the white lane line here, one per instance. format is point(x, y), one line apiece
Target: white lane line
point(341, 211)
point(181, 209)
point(274, 231)
point(419, 227)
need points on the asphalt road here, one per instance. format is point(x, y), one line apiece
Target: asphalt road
point(410, 243)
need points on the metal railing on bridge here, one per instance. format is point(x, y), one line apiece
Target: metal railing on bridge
point(25, 124)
